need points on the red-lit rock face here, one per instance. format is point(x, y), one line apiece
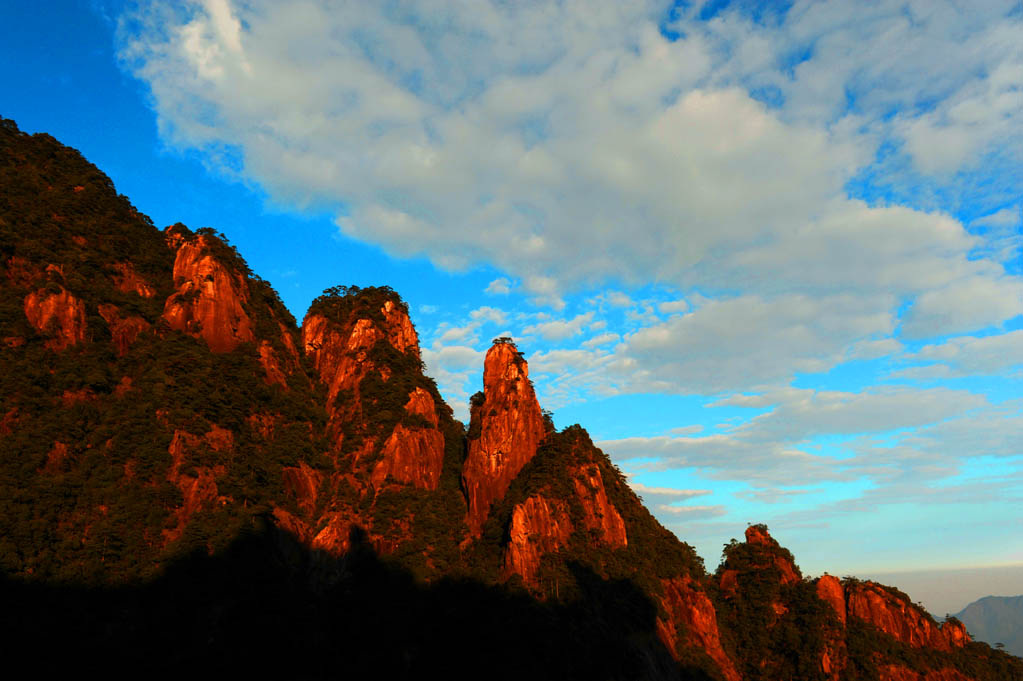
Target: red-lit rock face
point(199, 490)
point(830, 590)
point(290, 351)
point(599, 514)
point(689, 610)
point(303, 482)
point(510, 425)
point(413, 452)
point(209, 302)
point(400, 332)
point(335, 537)
point(412, 455)
point(538, 526)
point(835, 656)
point(901, 619)
point(60, 315)
point(340, 354)
point(757, 535)
point(126, 279)
point(271, 365)
point(123, 330)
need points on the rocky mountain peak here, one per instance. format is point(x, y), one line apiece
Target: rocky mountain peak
point(506, 427)
point(210, 299)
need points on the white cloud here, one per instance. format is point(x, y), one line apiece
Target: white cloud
point(489, 314)
point(673, 306)
point(602, 339)
point(976, 355)
point(617, 299)
point(455, 367)
point(457, 333)
point(693, 512)
point(667, 492)
point(499, 287)
point(1006, 217)
point(800, 414)
point(648, 143)
point(744, 342)
point(772, 450)
point(562, 363)
point(967, 305)
point(774, 495)
point(560, 329)
point(873, 349)
point(949, 70)
point(725, 457)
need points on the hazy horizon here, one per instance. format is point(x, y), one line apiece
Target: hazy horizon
point(948, 592)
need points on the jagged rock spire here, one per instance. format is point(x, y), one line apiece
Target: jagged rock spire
point(505, 429)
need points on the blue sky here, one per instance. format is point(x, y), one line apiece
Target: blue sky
point(768, 254)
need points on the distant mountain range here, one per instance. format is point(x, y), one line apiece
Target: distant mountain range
point(996, 619)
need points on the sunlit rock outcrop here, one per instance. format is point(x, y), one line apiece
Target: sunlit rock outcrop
point(895, 615)
point(506, 428)
point(59, 315)
point(691, 620)
point(123, 330)
point(538, 526)
point(210, 299)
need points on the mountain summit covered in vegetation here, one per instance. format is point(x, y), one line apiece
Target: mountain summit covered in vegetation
point(189, 479)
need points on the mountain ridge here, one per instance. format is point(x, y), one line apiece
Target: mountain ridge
point(162, 408)
point(996, 619)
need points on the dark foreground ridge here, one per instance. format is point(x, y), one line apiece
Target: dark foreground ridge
point(268, 604)
point(191, 480)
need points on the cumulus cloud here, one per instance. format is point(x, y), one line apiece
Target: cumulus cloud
point(967, 305)
point(975, 355)
point(618, 299)
point(673, 306)
point(499, 287)
point(951, 71)
point(602, 339)
point(724, 457)
point(560, 329)
point(738, 343)
point(773, 449)
point(496, 132)
point(489, 314)
point(800, 414)
point(455, 368)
